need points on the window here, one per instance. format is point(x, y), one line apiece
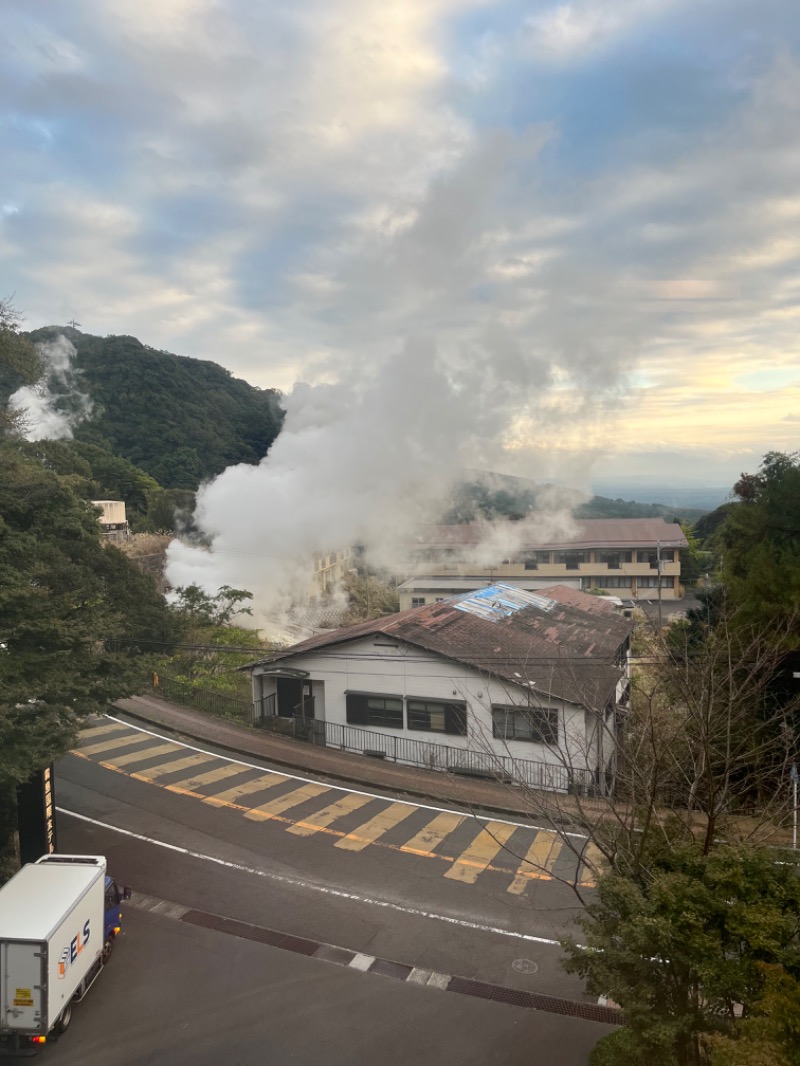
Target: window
point(572, 560)
point(667, 555)
point(613, 582)
point(652, 582)
point(381, 711)
point(533, 560)
point(417, 601)
point(431, 716)
point(535, 724)
point(614, 559)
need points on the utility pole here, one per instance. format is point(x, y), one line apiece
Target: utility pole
point(793, 777)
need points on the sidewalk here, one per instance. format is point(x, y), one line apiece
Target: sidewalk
point(435, 786)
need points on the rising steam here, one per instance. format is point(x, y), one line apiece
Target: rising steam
point(55, 404)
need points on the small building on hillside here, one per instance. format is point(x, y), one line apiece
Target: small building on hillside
point(503, 682)
point(625, 557)
point(113, 520)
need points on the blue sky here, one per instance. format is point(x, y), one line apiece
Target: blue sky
point(587, 211)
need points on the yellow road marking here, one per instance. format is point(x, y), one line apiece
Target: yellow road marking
point(480, 853)
point(539, 860)
point(369, 832)
point(283, 803)
point(356, 840)
point(258, 784)
point(173, 765)
point(433, 833)
point(120, 742)
point(594, 861)
point(323, 818)
point(98, 730)
point(145, 753)
point(221, 772)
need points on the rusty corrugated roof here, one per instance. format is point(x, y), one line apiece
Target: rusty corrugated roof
point(567, 648)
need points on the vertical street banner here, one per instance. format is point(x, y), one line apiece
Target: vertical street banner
point(36, 815)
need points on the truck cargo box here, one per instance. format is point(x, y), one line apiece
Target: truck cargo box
point(51, 938)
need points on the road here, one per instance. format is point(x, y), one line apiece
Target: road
point(181, 996)
point(433, 889)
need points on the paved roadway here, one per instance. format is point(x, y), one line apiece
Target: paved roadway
point(176, 995)
point(476, 897)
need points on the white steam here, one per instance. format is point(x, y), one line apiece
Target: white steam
point(54, 405)
point(366, 461)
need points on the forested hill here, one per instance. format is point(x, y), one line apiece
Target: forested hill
point(182, 420)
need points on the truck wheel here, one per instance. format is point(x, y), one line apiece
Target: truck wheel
point(65, 1019)
point(108, 947)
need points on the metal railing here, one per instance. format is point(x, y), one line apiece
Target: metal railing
point(215, 703)
point(424, 753)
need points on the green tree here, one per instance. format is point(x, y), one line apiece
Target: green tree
point(75, 620)
point(214, 648)
point(681, 949)
point(760, 539)
point(770, 1034)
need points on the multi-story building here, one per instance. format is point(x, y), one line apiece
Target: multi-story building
point(624, 557)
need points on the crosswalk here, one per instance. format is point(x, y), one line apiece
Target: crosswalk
point(464, 848)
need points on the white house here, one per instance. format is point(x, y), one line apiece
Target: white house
point(501, 681)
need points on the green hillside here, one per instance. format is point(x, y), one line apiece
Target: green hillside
point(181, 420)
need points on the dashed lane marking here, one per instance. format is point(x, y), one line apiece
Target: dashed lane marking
point(314, 822)
point(143, 754)
point(371, 831)
point(538, 862)
point(284, 803)
point(171, 767)
point(433, 834)
point(465, 867)
point(313, 886)
point(477, 857)
point(112, 745)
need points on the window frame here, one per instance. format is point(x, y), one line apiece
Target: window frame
point(358, 712)
point(548, 730)
point(454, 716)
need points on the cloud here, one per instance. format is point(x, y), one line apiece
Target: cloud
point(304, 191)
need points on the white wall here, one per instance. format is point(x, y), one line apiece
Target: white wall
point(403, 671)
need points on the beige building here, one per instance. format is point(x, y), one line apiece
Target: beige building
point(624, 557)
point(113, 520)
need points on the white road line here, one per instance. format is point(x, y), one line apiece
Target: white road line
point(298, 882)
point(344, 788)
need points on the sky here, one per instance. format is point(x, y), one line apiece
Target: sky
point(573, 228)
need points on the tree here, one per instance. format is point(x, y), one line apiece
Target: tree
point(682, 950)
point(368, 596)
point(770, 1034)
point(214, 647)
point(76, 619)
point(760, 539)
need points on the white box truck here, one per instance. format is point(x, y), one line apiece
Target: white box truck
point(58, 920)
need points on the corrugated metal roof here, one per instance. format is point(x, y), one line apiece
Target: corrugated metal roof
point(500, 600)
point(567, 649)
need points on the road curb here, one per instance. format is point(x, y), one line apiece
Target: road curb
point(370, 964)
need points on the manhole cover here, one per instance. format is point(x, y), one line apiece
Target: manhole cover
point(524, 966)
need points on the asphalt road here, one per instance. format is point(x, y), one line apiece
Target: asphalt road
point(178, 995)
point(159, 817)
